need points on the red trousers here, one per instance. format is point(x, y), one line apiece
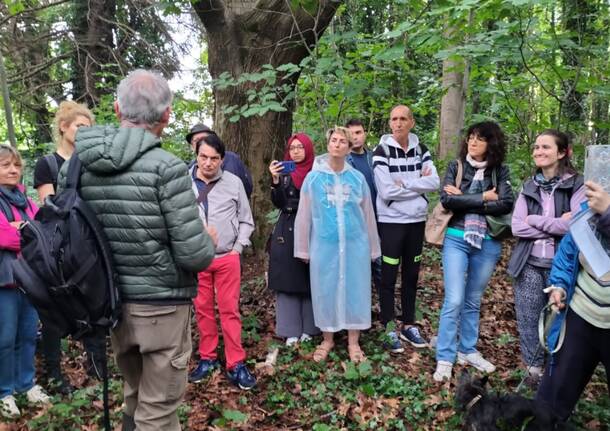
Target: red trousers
point(222, 277)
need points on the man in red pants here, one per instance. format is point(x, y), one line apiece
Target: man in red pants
point(224, 209)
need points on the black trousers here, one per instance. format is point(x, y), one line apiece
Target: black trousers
point(51, 345)
point(401, 244)
point(584, 347)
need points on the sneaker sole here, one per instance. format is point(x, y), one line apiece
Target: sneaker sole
point(465, 362)
point(245, 388)
point(418, 345)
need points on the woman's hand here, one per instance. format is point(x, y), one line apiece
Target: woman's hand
point(16, 224)
point(598, 199)
point(275, 168)
point(557, 296)
point(490, 195)
point(567, 216)
point(452, 190)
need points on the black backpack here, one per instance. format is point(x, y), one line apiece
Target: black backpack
point(66, 269)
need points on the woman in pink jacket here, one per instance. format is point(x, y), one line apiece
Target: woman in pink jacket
point(18, 318)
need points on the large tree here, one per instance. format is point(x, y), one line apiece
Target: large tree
point(243, 36)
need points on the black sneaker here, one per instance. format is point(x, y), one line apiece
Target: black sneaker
point(204, 369)
point(413, 336)
point(57, 382)
point(240, 376)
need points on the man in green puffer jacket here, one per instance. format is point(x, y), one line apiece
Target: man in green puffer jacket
point(142, 196)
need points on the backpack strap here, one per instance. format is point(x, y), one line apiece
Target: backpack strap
point(6, 209)
point(74, 171)
point(460, 173)
point(53, 166)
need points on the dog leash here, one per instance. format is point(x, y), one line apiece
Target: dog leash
point(545, 322)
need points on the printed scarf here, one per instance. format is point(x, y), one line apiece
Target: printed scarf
point(475, 225)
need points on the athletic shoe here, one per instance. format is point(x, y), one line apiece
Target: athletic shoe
point(37, 396)
point(240, 376)
point(412, 335)
point(204, 369)
point(476, 360)
point(8, 407)
point(443, 371)
point(392, 343)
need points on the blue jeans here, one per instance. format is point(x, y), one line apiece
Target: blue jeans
point(466, 272)
point(18, 326)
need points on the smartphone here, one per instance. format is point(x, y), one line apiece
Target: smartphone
point(289, 166)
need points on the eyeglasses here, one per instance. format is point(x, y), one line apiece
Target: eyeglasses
point(296, 147)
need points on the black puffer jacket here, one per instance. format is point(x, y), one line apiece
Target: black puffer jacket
point(473, 203)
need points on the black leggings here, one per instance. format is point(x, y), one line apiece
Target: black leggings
point(400, 243)
point(567, 374)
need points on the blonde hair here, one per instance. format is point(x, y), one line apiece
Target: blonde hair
point(67, 112)
point(341, 131)
point(8, 151)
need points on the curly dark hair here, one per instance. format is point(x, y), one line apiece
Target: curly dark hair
point(493, 135)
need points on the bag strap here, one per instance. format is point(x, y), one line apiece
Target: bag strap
point(460, 174)
point(74, 171)
point(6, 209)
point(53, 166)
point(494, 178)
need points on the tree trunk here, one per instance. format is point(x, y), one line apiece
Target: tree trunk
point(244, 35)
point(453, 103)
point(93, 25)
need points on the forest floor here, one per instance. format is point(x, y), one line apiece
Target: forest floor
point(386, 392)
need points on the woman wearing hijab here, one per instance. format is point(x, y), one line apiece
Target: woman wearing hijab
point(288, 276)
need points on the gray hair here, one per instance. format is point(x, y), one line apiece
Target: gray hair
point(143, 96)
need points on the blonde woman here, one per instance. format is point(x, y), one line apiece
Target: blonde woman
point(335, 231)
point(68, 118)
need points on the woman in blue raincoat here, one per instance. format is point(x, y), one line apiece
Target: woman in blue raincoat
point(335, 231)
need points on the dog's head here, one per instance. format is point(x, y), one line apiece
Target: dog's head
point(469, 388)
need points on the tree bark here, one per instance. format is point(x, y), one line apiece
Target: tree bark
point(244, 35)
point(453, 103)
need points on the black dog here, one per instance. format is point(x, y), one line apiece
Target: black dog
point(491, 412)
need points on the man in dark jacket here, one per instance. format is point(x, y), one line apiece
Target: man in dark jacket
point(142, 197)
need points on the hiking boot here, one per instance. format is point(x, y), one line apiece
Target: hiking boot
point(476, 360)
point(93, 367)
point(443, 371)
point(240, 376)
point(8, 407)
point(203, 370)
point(57, 382)
point(392, 343)
point(36, 395)
point(412, 335)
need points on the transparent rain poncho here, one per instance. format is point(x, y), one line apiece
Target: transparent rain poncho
point(335, 229)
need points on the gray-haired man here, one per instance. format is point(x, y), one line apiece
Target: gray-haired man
point(142, 197)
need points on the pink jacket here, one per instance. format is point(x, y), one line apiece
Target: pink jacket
point(9, 235)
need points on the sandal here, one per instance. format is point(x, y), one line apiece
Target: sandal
point(356, 355)
point(322, 351)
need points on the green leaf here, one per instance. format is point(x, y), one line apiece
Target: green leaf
point(234, 415)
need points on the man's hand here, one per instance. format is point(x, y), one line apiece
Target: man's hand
point(452, 190)
point(598, 199)
point(567, 216)
point(213, 234)
point(17, 224)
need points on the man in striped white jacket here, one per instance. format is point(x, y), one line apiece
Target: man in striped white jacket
point(404, 172)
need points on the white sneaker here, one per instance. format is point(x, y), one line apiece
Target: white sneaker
point(535, 372)
point(37, 396)
point(291, 341)
point(443, 371)
point(305, 337)
point(476, 360)
point(8, 407)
